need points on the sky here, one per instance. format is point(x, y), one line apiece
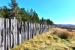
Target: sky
point(59, 11)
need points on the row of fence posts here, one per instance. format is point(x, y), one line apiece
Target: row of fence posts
point(14, 32)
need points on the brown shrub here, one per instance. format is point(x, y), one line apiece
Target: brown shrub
point(62, 33)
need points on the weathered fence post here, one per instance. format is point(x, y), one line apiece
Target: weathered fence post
point(10, 31)
point(28, 31)
point(1, 34)
point(40, 28)
point(26, 28)
point(31, 30)
point(18, 38)
point(4, 34)
point(15, 31)
point(35, 29)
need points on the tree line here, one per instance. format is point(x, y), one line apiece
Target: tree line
point(21, 14)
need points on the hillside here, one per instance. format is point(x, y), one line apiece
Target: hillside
point(55, 39)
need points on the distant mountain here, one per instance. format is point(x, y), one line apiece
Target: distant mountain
point(66, 25)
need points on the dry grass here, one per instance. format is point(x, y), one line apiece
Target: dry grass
point(59, 31)
point(49, 41)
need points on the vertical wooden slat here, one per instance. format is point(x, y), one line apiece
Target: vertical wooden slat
point(11, 34)
point(1, 34)
point(7, 36)
point(18, 41)
point(21, 30)
point(15, 31)
point(28, 30)
point(24, 29)
point(32, 28)
point(10, 31)
point(4, 35)
point(40, 28)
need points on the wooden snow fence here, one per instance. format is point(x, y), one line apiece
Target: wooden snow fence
point(14, 32)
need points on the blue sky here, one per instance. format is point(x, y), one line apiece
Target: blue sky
point(59, 11)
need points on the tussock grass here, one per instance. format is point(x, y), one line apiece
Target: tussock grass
point(50, 41)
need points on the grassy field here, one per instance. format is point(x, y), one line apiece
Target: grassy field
point(55, 39)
